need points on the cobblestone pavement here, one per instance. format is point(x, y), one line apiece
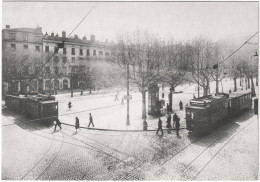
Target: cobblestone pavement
point(31, 151)
point(35, 152)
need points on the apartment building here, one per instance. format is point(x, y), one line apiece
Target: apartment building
point(69, 64)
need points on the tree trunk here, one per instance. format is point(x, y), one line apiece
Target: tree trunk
point(235, 84)
point(205, 91)
point(253, 87)
point(143, 105)
point(170, 98)
point(217, 85)
point(256, 80)
point(248, 82)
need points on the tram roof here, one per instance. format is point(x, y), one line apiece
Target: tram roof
point(206, 101)
point(239, 93)
point(48, 101)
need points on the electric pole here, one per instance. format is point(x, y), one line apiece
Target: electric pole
point(127, 86)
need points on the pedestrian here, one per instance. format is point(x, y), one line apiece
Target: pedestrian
point(145, 125)
point(194, 97)
point(57, 123)
point(181, 105)
point(230, 91)
point(174, 118)
point(168, 125)
point(116, 97)
point(90, 120)
point(163, 95)
point(77, 123)
point(69, 105)
point(167, 108)
point(159, 126)
point(177, 125)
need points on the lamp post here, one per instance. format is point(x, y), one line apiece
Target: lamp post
point(127, 86)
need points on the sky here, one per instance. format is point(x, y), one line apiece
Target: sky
point(168, 20)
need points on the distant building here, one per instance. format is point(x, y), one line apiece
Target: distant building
point(72, 63)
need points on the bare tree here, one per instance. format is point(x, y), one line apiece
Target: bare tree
point(176, 66)
point(142, 54)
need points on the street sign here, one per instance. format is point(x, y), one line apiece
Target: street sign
point(128, 97)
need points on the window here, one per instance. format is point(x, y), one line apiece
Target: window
point(56, 49)
point(81, 52)
point(73, 51)
point(197, 115)
point(94, 53)
point(46, 48)
point(64, 51)
point(37, 48)
point(25, 47)
point(107, 53)
point(12, 35)
point(101, 53)
point(25, 37)
point(88, 52)
point(73, 59)
point(37, 39)
point(13, 46)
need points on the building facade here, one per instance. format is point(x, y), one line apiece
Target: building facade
point(69, 68)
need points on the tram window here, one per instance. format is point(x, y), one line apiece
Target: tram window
point(188, 113)
point(197, 115)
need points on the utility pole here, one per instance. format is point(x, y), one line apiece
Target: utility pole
point(71, 83)
point(199, 76)
point(217, 79)
point(127, 86)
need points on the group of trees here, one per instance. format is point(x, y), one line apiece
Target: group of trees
point(151, 61)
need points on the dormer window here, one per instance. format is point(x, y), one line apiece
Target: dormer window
point(25, 37)
point(12, 35)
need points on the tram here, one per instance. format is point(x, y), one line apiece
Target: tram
point(206, 113)
point(41, 108)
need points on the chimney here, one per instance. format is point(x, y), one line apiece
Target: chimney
point(52, 34)
point(57, 35)
point(39, 29)
point(7, 26)
point(63, 34)
point(93, 38)
point(84, 38)
point(76, 36)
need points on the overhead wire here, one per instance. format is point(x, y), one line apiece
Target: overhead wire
point(238, 48)
point(28, 83)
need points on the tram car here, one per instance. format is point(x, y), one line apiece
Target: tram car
point(41, 108)
point(206, 113)
point(16, 103)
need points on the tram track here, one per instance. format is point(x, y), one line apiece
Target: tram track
point(208, 146)
point(94, 148)
point(30, 174)
point(222, 148)
point(217, 140)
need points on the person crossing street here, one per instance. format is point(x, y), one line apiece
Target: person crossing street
point(58, 123)
point(90, 120)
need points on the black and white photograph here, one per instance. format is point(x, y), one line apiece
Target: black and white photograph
point(130, 90)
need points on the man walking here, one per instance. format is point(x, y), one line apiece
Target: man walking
point(77, 124)
point(174, 118)
point(69, 105)
point(90, 120)
point(57, 123)
point(159, 126)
